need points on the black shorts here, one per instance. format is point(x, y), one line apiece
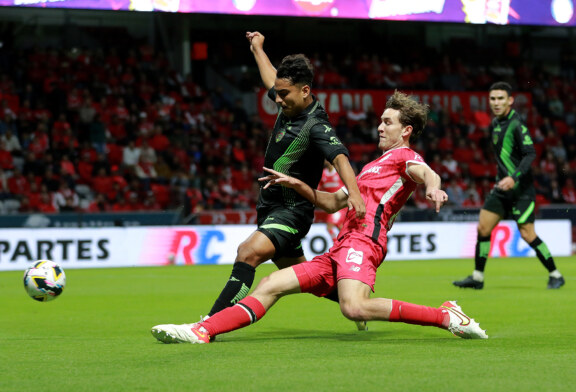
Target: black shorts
point(285, 229)
point(515, 204)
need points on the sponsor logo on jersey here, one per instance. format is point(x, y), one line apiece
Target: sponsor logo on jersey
point(354, 256)
point(374, 169)
point(280, 135)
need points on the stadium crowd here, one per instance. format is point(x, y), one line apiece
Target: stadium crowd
point(102, 130)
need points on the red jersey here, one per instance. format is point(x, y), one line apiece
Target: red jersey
point(385, 186)
point(331, 181)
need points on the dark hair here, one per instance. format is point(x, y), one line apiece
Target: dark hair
point(411, 111)
point(296, 68)
point(502, 86)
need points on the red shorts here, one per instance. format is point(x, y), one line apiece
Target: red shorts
point(355, 256)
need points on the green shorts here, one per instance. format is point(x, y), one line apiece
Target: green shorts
point(515, 204)
point(285, 229)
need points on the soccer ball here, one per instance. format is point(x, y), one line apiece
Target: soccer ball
point(44, 281)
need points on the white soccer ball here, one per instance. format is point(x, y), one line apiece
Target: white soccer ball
point(44, 281)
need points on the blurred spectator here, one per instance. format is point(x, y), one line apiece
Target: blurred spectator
point(145, 171)
point(158, 141)
point(102, 183)
point(65, 199)
point(99, 204)
point(11, 143)
point(68, 169)
point(17, 183)
point(455, 193)
point(6, 159)
point(4, 190)
point(569, 191)
point(97, 131)
point(46, 204)
point(131, 155)
point(472, 198)
point(450, 164)
point(86, 114)
point(147, 153)
point(163, 170)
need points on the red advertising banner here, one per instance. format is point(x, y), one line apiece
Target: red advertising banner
point(338, 102)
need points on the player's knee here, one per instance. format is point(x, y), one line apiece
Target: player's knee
point(528, 237)
point(527, 232)
point(263, 286)
point(269, 286)
point(484, 231)
point(249, 255)
point(352, 311)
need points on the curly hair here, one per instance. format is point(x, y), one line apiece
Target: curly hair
point(411, 111)
point(296, 68)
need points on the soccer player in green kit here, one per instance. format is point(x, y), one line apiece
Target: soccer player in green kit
point(301, 140)
point(514, 194)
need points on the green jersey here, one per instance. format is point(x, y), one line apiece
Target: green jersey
point(298, 147)
point(514, 150)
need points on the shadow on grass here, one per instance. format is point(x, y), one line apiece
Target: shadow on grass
point(360, 336)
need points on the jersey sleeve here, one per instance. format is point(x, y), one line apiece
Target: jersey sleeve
point(526, 147)
point(412, 158)
point(323, 136)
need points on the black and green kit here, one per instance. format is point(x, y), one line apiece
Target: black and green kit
point(515, 153)
point(297, 147)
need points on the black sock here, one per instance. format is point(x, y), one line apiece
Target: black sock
point(482, 252)
point(236, 288)
point(543, 254)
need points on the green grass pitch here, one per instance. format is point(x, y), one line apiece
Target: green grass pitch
point(96, 336)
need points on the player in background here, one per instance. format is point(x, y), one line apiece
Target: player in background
point(301, 140)
point(514, 194)
point(331, 183)
point(386, 184)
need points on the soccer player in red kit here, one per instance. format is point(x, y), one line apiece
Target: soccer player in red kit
point(350, 265)
point(331, 183)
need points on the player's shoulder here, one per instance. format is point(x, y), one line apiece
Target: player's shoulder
point(402, 154)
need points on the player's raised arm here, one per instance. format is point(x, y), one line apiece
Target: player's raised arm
point(424, 175)
point(329, 202)
point(267, 70)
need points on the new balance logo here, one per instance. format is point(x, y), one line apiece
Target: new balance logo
point(354, 256)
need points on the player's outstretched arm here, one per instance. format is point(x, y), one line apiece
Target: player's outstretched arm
point(424, 175)
point(267, 70)
point(329, 202)
point(346, 173)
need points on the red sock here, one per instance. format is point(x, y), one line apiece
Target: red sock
point(418, 314)
point(244, 313)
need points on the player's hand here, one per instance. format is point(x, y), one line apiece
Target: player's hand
point(438, 197)
point(356, 203)
point(277, 178)
point(256, 40)
point(506, 183)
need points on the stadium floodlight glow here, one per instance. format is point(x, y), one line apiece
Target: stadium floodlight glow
point(517, 12)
